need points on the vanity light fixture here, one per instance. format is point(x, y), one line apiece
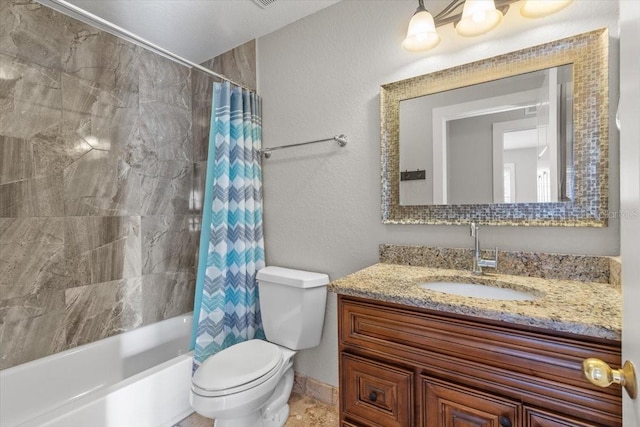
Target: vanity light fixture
point(478, 17)
point(542, 8)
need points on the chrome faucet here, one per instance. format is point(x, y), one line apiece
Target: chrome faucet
point(478, 262)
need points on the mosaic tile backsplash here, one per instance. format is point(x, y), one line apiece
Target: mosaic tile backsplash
point(99, 207)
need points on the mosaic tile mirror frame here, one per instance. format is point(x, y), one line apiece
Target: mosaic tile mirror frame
point(588, 53)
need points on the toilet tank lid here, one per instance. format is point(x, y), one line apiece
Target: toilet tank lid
point(290, 277)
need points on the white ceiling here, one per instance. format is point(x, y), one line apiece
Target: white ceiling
point(519, 139)
point(198, 30)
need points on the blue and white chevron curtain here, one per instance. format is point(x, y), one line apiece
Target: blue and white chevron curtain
point(231, 242)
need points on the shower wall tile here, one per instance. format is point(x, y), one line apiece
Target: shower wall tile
point(32, 305)
point(17, 160)
point(202, 85)
point(30, 98)
point(25, 188)
point(201, 126)
point(101, 310)
point(238, 64)
point(32, 198)
point(201, 114)
point(105, 118)
point(162, 80)
point(199, 183)
point(165, 129)
point(31, 338)
point(31, 173)
point(32, 32)
point(168, 244)
point(166, 188)
point(100, 57)
point(167, 295)
point(102, 249)
point(101, 183)
point(119, 259)
point(31, 256)
point(55, 149)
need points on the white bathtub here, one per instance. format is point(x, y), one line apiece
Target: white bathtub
point(136, 379)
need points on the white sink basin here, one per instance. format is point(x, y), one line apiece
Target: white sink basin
point(475, 290)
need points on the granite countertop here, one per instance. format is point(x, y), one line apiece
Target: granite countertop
point(584, 308)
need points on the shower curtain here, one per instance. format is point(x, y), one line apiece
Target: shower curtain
point(226, 303)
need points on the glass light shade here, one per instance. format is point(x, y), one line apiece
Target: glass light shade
point(478, 18)
point(542, 8)
point(421, 34)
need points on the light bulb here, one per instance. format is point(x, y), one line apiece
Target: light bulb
point(542, 8)
point(478, 17)
point(421, 34)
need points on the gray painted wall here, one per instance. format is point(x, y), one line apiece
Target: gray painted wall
point(321, 76)
point(470, 157)
point(525, 161)
point(470, 161)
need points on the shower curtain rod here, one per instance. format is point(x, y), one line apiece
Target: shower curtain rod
point(340, 139)
point(88, 17)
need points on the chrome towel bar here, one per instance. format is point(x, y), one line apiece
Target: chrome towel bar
point(340, 139)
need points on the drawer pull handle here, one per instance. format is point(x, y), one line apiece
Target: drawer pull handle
point(373, 396)
point(504, 422)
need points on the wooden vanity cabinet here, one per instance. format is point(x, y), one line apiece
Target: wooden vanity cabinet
point(402, 366)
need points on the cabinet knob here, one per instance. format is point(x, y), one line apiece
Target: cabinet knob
point(504, 422)
point(600, 374)
point(373, 396)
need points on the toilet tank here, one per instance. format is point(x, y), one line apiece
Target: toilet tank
point(292, 304)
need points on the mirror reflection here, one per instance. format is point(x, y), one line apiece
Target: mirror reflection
point(503, 141)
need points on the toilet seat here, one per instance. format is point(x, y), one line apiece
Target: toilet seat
point(238, 368)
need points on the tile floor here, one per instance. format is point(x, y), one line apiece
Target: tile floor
point(304, 412)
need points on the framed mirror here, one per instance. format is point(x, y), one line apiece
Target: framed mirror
point(518, 139)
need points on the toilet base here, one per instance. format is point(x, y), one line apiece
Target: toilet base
point(257, 419)
point(254, 419)
point(274, 413)
point(277, 420)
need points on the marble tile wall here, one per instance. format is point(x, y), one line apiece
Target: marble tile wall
point(98, 231)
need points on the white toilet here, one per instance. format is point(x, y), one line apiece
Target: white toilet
point(248, 384)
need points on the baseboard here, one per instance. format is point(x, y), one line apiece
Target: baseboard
point(315, 389)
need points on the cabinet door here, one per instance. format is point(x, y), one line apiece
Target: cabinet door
point(450, 405)
point(537, 418)
point(376, 394)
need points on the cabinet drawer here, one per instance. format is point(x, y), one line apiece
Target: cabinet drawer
point(534, 367)
point(537, 418)
point(376, 394)
point(453, 405)
point(423, 336)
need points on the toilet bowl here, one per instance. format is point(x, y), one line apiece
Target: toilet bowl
point(246, 385)
point(249, 384)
